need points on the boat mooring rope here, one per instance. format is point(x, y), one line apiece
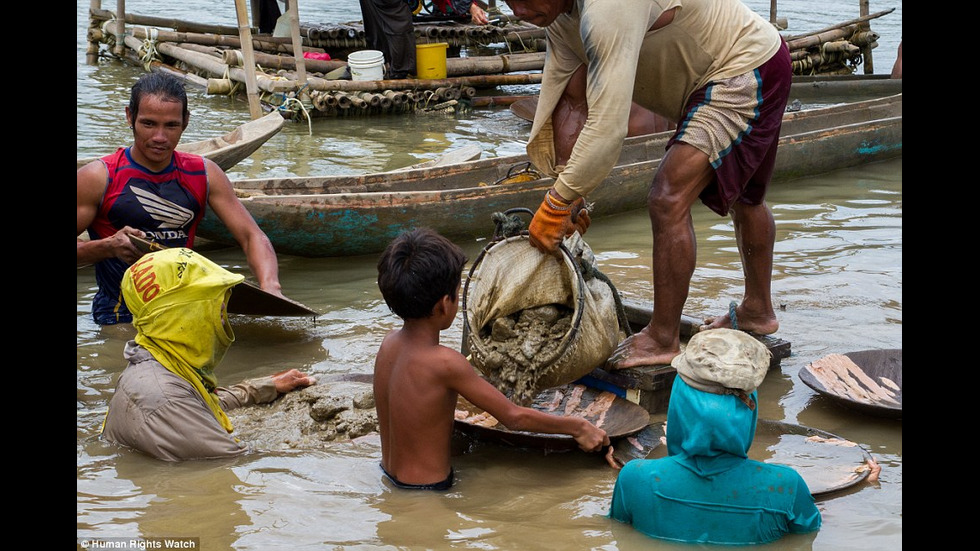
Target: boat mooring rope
point(148, 50)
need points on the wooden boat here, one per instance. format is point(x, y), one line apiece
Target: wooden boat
point(356, 215)
point(809, 89)
point(869, 381)
point(856, 87)
point(230, 148)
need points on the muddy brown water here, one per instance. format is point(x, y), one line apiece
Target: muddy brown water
point(837, 283)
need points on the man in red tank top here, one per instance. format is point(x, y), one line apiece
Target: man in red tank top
point(151, 191)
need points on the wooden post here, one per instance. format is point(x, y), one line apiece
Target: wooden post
point(869, 65)
point(293, 7)
point(92, 50)
point(245, 35)
point(256, 10)
point(120, 48)
point(772, 11)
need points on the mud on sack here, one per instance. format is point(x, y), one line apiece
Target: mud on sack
point(535, 321)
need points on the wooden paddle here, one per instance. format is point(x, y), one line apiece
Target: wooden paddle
point(248, 298)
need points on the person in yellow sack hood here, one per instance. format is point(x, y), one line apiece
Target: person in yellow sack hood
point(167, 401)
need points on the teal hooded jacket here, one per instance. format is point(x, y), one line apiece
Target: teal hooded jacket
point(707, 490)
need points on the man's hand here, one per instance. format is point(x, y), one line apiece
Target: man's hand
point(556, 219)
point(287, 381)
point(121, 246)
point(592, 438)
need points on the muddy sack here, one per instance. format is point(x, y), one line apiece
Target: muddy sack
point(534, 321)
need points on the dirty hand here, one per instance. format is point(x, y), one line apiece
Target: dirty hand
point(557, 219)
point(591, 438)
point(291, 379)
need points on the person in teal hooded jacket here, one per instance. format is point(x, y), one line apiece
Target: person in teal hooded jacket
point(707, 490)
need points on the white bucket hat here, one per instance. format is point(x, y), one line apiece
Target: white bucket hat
point(724, 361)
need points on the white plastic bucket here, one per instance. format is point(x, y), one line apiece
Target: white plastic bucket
point(366, 65)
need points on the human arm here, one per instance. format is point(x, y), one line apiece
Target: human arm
point(262, 390)
point(254, 242)
point(608, 41)
point(590, 86)
point(484, 395)
point(90, 185)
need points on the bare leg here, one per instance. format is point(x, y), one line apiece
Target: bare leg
point(755, 234)
point(683, 173)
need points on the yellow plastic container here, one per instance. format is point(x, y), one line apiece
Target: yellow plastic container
point(430, 60)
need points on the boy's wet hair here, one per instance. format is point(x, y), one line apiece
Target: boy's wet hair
point(157, 84)
point(416, 270)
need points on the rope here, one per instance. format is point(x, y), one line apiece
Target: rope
point(590, 271)
point(148, 50)
point(109, 37)
point(507, 225)
point(302, 107)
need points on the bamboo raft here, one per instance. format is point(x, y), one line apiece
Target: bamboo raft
point(213, 57)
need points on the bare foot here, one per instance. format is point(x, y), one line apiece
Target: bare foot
point(639, 350)
point(744, 321)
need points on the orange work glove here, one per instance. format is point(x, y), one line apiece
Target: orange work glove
point(555, 219)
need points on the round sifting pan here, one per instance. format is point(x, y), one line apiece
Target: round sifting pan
point(619, 417)
point(524, 108)
point(867, 380)
point(827, 462)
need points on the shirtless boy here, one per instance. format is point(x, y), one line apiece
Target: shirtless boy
point(417, 381)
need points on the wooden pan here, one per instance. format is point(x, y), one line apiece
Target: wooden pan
point(869, 381)
point(248, 298)
point(524, 108)
point(827, 462)
point(617, 416)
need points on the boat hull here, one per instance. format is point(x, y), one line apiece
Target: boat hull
point(357, 215)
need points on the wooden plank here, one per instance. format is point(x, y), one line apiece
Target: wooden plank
point(649, 386)
point(247, 298)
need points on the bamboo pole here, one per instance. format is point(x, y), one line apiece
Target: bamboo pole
point(491, 101)
point(92, 49)
point(177, 24)
point(861, 19)
point(268, 61)
point(476, 81)
point(256, 11)
point(821, 38)
point(159, 67)
point(869, 65)
point(120, 47)
point(245, 34)
point(293, 9)
point(265, 43)
point(210, 64)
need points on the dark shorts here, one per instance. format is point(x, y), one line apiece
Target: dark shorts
point(736, 123)
point(440, 486)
